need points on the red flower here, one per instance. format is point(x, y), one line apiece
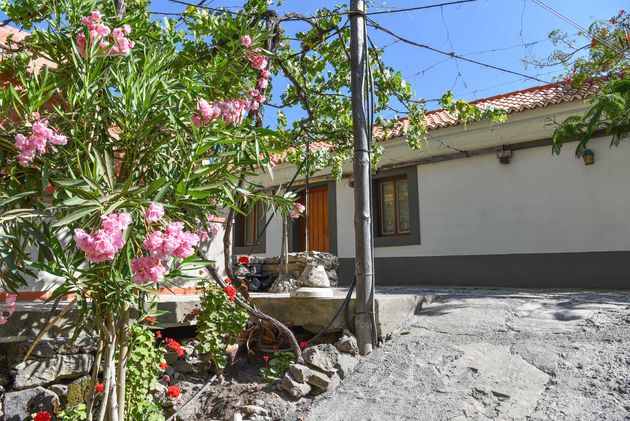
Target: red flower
point(175, 346)
point(173, 391)
point(42, 416)
point(193, 313)
point(166, 378)
point(163, 366)
point(303, 344)
point(276, 348)
point(231, 292)
point(227, 281)
point(100, 388)
point(266, 358)
point(243, 260)
point(621, 12)
point(150, 320)
point(158, 334)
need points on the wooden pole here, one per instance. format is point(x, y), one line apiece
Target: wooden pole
point(361, 169)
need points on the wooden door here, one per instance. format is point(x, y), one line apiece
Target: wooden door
point(317, 220)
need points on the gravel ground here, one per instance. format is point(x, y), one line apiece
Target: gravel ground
point(496, 355)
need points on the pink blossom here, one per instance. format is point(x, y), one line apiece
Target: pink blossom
point(154, 213)
point(96, 15)
point(214, 228)
point(246, 41)
point(127, 28)
point(173, 242)
point(41, 134)
point(146, 269)
point(262, 83)
point(258, 62)
point(264, 74)
point(103, 245)
point(295, 213)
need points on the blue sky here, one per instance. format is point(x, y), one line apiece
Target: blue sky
point(490, 31)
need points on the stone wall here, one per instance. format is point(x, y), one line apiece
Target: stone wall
point(297, 264)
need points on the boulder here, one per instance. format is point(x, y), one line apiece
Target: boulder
point(346, 365)
point(183, 366)
point(323, 357)
point(330, 383)
point(300, 372)
point(347, 343)
point(19, 405)
point(254, 409)
point(284, 283)
point(294, 388)
point(38, 372)
point(314, 276)
point(61, 390)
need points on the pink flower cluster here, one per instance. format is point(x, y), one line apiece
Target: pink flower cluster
point(118, 43)
point(147, 269)
point(154, 212)
point(40, 137)
point(9, 307)
point(233, 111)
point(173, 242)
point(295, 213)
point(106, 242)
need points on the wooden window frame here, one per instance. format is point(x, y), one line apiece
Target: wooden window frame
point(238, 235)
point(379, 205)
point(254, 215)
point(413, 237)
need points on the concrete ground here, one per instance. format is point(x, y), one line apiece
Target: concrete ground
point(496, 355)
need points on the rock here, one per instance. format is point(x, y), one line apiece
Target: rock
point(314, 276)
point(330, 383)
point(161, 396)
point(237, 417)
point(78, 391)
point(347, 343)
point(34, 372)
point(61, 390)
point(183, 366)
point(324, 357)
point(19, 405)
point(295, 388)
point(171, 357)
point(253, 409)
point(346, 365)
point(300, 372)
point(285, 283)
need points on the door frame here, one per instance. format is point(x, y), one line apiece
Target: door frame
point(294, 231)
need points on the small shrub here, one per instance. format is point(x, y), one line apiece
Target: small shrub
point(277, 366)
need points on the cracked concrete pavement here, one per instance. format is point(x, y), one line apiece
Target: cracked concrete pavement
point(496, 355)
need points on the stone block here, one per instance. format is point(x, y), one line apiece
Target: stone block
point(37, 372)
point(20, 404)
point(79, 391)
point(294, 388)
point(346, 365)
point(323, 357)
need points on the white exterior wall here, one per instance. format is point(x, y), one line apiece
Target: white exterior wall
point(538, 203)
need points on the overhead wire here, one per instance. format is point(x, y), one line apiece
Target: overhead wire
point(581, 28)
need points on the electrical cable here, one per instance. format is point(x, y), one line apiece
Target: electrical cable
point(573, 23)
point(450, 54)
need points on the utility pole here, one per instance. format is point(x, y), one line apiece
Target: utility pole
point(361, 169)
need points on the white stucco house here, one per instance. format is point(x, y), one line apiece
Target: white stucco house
point(481, 205)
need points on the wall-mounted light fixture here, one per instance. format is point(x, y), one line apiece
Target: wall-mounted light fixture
point(588, 156)
point(504, 154)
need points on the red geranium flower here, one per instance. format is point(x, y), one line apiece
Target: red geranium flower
point(158, 334)
point(193, 313)
point(166, 378)
point(231, 292)
point(150, 320)
point(303, 344)
point(243, 260)
point(227, 281)
point(175, 346)
point(163, 366)
point(174, 391)
point(100, 388)
point(266, 358)
point(42, 416)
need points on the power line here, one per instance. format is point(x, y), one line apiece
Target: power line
point(450, 54)
point(571, 22)
point(325, 15)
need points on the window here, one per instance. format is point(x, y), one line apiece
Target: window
point(396, 207)
point(393, 209)
point(247, 230)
